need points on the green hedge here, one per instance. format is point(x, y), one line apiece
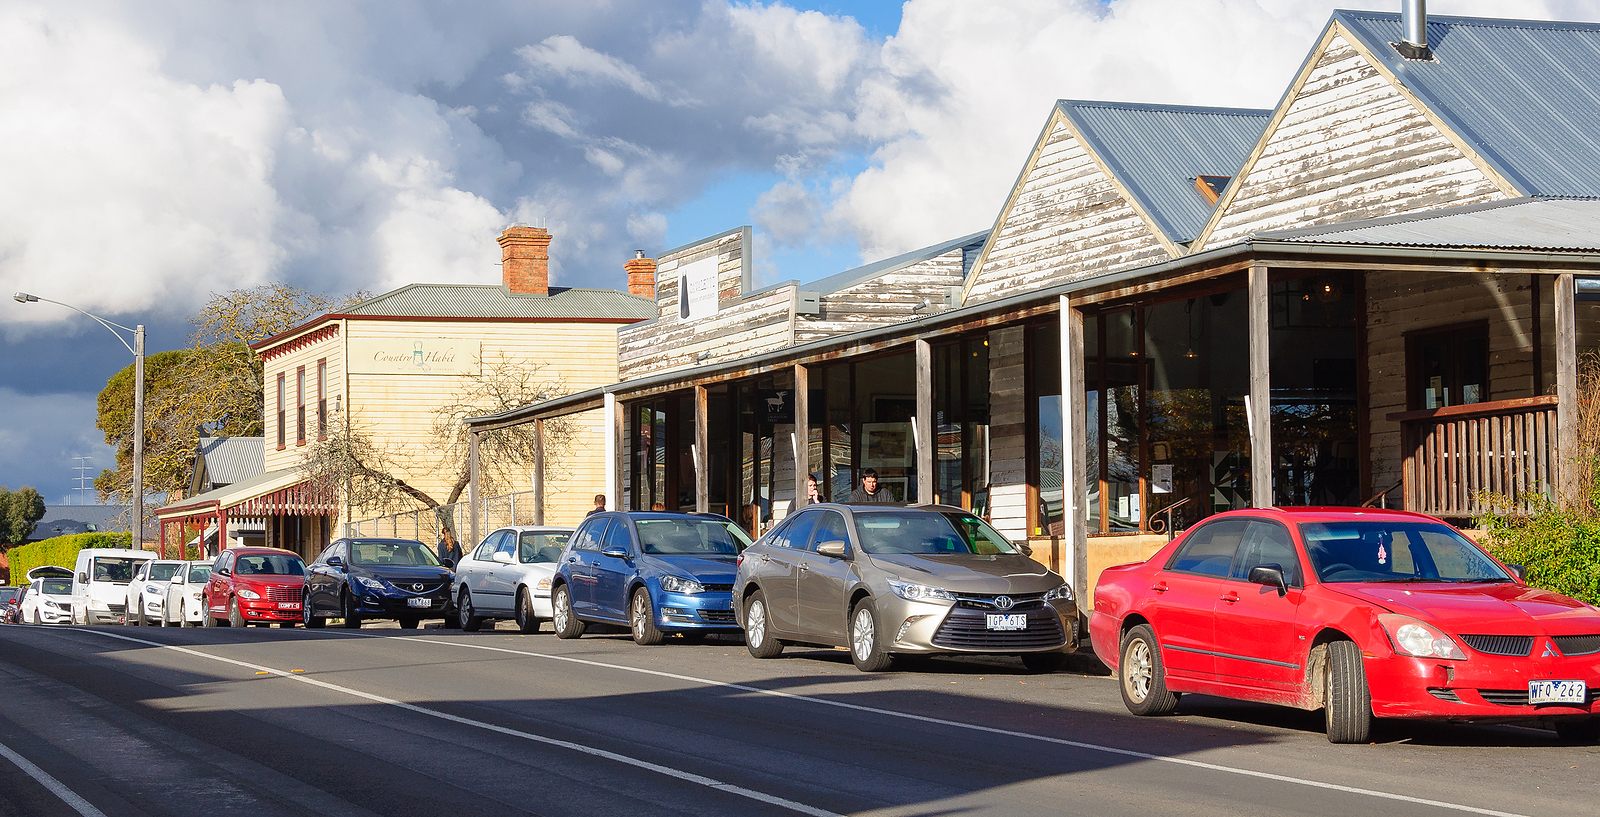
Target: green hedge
point(1559, 548)
point(61, 551)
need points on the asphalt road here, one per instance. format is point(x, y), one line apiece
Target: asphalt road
point(131, 721)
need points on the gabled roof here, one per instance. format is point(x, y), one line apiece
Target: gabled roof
point(228, 460)
point(495, 301)
point(1523, 94)
point(1155, 152)
point(968, 244)
point(1518, 224)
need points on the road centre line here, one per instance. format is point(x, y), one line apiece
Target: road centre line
point(689, 777)
point(55, 786)
point(1095, 747)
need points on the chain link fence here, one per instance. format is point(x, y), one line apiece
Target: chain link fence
point(425, 524)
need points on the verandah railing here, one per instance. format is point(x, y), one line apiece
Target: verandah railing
point(424, 524)
point(1455, 455)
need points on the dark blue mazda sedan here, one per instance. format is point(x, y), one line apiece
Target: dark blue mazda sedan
point(656, 573)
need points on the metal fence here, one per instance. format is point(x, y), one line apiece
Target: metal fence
point(424, 524)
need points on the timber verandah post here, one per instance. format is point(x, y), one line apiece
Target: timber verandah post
point(802, 434)
point(923, 426)
point(1259, 408)
point(613, 453)
point(538, 471)
point(1074, 454)
point(472, 487)
point(702, 442)
point(1566, 449)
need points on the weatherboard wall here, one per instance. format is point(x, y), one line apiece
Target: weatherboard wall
point(885, 299)
point(1348, 146)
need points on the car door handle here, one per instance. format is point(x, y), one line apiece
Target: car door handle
point(765, 558)
point(1231, 597)
point(804, 567)
point(1159, 587)
point(571, 559)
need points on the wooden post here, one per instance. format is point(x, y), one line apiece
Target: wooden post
point(1260, 405)
point(613, 448)
point(222, 528)
point(538, 471)
point(802, 435)
point(702, 451)
point(1075, 454)
point(927, 441)
point(1566, 387)
point(472, 490)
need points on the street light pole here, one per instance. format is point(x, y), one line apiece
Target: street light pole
point(138, 404)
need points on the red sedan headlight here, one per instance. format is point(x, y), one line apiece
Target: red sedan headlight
point(1412, 637)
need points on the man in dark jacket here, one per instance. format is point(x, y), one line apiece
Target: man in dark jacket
point(869, 491)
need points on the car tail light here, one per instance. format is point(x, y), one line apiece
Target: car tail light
point(739, 561)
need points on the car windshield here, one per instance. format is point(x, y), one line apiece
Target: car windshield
point(9, 593)
point(392, 552)
point(928, 533)
point(1396, 552)
point(687, 537)
point(199, 573)
point(163, 572)
point(56, 587)
point(269, 564)
point(533, 546)
point(114, 569)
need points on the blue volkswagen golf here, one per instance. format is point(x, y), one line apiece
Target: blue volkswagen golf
point(656, 573)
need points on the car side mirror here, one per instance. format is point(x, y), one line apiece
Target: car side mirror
point(1520, 572)
point(449, 563)
point(615, 552)
point(1270, 575)
point(335, 561)
point(1023, 546)
point(834, 549)
point(501, 557)
point(83, 578)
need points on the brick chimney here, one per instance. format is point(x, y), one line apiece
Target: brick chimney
point(525, 259)
point(641, 275)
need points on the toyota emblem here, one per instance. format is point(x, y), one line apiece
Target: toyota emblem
point(1003, 602)
point(417, 587)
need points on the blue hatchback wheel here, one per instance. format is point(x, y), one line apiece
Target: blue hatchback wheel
point(643, 619)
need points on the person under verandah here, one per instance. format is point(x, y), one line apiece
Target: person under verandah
point(870, 491)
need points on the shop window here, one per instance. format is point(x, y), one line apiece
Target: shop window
point(961, 422)
point(1315, 346)
point(886, 401)
point(1447, 366)
point(1047, 447)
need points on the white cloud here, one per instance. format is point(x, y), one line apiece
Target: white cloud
point(562, 55)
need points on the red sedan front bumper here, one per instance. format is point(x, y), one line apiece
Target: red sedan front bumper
point(1481, 688)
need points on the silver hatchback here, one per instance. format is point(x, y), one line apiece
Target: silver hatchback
point(885, 581)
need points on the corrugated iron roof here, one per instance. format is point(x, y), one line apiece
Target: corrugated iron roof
point(1525, 94)
point(1156, 151)
point(1519, 224)
point(495, 301)
point(233, 459)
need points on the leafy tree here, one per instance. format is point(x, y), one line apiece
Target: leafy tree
point(213, 388)
point(20, 512)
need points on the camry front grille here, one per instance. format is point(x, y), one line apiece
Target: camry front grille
point(1513, 645)
point(1019, 603)
point(1578, 644)
point(967, 629)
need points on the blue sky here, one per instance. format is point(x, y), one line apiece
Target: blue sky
point(157, 152)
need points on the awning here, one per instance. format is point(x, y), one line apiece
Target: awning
point(275, 493)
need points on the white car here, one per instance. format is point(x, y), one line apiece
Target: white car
point(147, 593)
point(182, 606)
point(508, 576)
point(49, 599)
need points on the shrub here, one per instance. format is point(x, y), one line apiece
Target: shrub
point(61, 551)
point(1558, 546)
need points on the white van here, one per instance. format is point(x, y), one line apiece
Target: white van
point(100, 584)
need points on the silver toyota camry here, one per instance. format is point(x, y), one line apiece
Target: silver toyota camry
point(885, 581)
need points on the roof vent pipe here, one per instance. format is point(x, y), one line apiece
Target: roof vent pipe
point(1414, 19)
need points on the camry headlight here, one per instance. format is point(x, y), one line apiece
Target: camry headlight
point(678, 584)
point(1064, 592)
point(919, 592)
point(1412, 637)
point(544, 584)
point(245, 592)
point(370, 584)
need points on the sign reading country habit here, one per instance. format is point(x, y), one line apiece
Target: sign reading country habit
point(414, 355)
point(697, 289)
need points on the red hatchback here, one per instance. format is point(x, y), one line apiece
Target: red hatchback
point(1363, 613)
point(254, 586)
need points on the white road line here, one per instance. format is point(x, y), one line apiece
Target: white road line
point(1198, 764)
point(55, 786)
point(689, 777)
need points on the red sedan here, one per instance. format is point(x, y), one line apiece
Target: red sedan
point(1363, 613)
point(254, 586)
